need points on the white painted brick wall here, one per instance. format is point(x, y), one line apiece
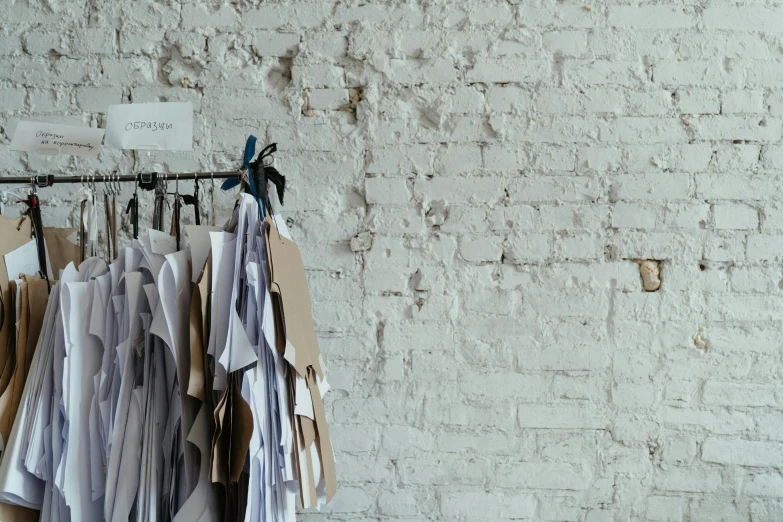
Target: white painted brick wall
point(491, 350)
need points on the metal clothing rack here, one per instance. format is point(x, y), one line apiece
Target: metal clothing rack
point(145, 180)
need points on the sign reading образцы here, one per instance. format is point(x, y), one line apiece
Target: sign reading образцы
point(150, 126)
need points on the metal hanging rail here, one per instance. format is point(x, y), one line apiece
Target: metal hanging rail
point(144, 179)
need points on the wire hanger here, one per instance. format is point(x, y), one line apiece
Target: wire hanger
point(133, 209)
point(187, 199)
point(34, 211)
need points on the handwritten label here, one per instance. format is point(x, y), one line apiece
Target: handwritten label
point(23, 260)
point(150, 126)
point(53, 138)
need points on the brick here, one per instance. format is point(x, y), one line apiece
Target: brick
point(510, 98)
point(738, 394)
point(767, 485)
point(199, 15)
point(743, 102)
point(97, 99)
point(564, 416)
point(586, 388)
point(331, 44)
point(600, 158)
point(742, 452)
point(698, 101)
point(137, 40)
point(738, 128)
point(720, 422)
point(744, 18)
point(688, 480)
point(497, 70)
point(656, 103)
point(481, 249)
point(399, 503)
point(94, 41)
point(605, 72)
point(503, 385)
point(765, 247)
point(400, 440)
point(478, 505)
point(458, 158)
point(634, 215)
point(327, 99)
point(14, 97)
point(634, 396)
point(650, 17)
point(534, 475)
point(407, 72)
point(693, 73)
point(319, 76)
point(558, 15)
point(736, 217)
point(270, 43)
point(664, 509)
point(651, 187)
point(566, 43)
point(352, 438)
point(392, 161)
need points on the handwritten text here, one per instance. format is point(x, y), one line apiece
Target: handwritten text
point(148, 125)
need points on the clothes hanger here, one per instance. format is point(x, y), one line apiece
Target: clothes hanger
point(133, 209)
point(176, 211)
point(115, 186)
point(187, 199)
point(212, 198)
point(106, 222)
point(34, 211)
point(160, 198)
point(82, 233)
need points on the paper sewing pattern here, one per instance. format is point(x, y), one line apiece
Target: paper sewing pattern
point(165, 385)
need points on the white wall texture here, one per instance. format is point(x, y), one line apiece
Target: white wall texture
point(471, 183)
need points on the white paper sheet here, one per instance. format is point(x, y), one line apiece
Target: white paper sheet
point(162, 243)
point(198, 239)
point(23, 260)
point(51, 138)
point(150, 126)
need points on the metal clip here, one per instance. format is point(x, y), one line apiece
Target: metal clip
point(43, 181)
point(147, 181)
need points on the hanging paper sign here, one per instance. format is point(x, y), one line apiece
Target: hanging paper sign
point(53, 138)
point(150, 126)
